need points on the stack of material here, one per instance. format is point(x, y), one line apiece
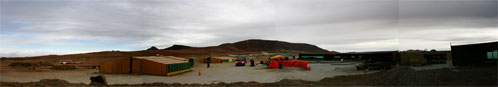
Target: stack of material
point(218, 60)
point(226, 59)
point(154, 65)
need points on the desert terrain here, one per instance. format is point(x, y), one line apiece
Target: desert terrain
point(47, 71)
point(222, 72)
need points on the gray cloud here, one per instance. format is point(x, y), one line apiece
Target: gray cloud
point(343, 25)
point(448, 13)
point(447, 8)
point(433, 24)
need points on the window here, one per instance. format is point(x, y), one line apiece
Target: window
point(337, 57)
point(492, 54)
point(316, 57)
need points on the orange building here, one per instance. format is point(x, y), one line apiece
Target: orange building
point(153, 65)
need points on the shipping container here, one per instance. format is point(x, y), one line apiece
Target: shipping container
point(153, 65)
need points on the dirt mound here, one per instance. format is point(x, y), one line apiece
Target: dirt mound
point(98, 81)
point(220, 84)
point(43, 83)
point(63, 67)
point(399, 76)
point(28, 64)
point(20, 64)
point(406, 76)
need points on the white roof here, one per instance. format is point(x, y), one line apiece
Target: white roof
point(164, 59)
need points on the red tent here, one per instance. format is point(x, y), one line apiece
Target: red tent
point(276, 60)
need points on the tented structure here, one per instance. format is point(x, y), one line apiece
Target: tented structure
point(278, 60)
point(218, 60)
point(153, 65)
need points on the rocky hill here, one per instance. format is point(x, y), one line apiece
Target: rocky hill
point(177, 47)
point(267, 45)
point(254, 45)
point(241, 47)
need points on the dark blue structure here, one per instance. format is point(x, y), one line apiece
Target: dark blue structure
point(474, 54)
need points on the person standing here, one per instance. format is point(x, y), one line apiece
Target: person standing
point(280, 66)
point(269, 60)
point(208, 61)
point(252, 62)
point(191, 61)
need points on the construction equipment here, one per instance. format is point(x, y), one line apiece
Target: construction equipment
point(281, 61)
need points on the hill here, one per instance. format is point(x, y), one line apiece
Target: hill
point(254, 45)
point(266, 45)
point(241, 47)
point(177, 47)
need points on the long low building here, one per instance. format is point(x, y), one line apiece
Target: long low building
point(418, 58)
point(153, 65)
point(218, 60)
point(475, 54)
point(385, 56)
point(402, 58)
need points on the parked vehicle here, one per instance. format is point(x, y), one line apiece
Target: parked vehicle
point(66, 62)
point(240, 62)
point(376, 66)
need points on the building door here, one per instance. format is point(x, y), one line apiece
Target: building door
point(135, 66)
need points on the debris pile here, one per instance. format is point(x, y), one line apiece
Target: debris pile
point(63, 67)
point(43, 83)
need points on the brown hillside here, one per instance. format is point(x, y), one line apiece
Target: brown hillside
point(254, 45)
point(242, 47)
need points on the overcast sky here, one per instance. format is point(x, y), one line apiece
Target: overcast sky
point(40, 27)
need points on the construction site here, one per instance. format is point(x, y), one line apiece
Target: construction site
point(248, 43)
point(282, 68)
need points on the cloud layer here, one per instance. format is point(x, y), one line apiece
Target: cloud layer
point(39, 26)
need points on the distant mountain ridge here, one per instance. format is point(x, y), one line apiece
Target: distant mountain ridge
point(264, 45)
point(251, 46)
point(177, 47)
point(256, 45)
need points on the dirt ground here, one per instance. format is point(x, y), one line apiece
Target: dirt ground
point(323, 73)
point(228, 72)
point(405, 76)
point(26, 75)
point(432, 67)
point(218, 72)
point(400, 76)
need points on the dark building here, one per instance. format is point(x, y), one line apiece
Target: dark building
point(421, 58)
point(475, 54)
point(439, 57)
point(381, 56)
